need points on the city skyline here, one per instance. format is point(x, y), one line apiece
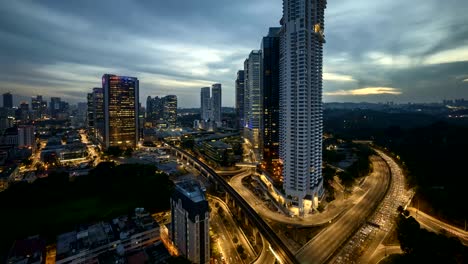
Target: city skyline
point(414, 54)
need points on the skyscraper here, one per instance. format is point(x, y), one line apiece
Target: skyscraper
point(190, 221)
point(253, 101)
point(240, 98)
point(7, 100)
point(205, 103)
point(120, 110)
point(95, 116)
point(55, 106)
point(170, 110)
point(216, 103)
point(301, 52)
point(270, 96)
point(38, 105)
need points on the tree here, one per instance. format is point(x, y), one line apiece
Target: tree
point(240, 249)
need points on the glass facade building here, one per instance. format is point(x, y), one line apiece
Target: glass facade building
point(121, 95)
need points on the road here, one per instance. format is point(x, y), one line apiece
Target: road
point(435, 225)
point(281, 251)
point(382, 252)
point(363, 244)
point(328, 241)
point(261, 208)
point(227, 232)
point(91, 149)
point(266, 256)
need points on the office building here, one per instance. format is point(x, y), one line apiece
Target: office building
point(301, 52)
point(170, 110)
point(240, 99)
point(216, 103)
point(162, 111)
point(190, 221)
point(270, 95)
point(7, 100)
point(253, 101)
point(95, 114)
point(120, 110)
point(55, 106)
point(38, 106)
point(205, 103)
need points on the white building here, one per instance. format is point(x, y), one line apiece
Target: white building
point(253, 101)
point(205, 103)
point(301, 53)
point(190, 221)
point(26, 138)
point(216, 103)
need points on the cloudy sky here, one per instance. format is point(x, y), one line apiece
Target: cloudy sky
point(376, 51)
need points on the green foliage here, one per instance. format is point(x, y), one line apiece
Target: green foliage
point(422, 246)
point(240, 249)
point(114, 151)
point(55, 204)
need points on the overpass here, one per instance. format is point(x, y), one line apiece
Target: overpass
point(277, 246)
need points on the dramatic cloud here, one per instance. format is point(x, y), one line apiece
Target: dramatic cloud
point(62, 48)
point(367, 91)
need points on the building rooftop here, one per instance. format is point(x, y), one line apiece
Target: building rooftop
point(192, 189)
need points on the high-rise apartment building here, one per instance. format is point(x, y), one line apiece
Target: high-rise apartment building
point(216, 103)
point(240, 99)
point(7, 100)
point(270, 96)
point(301, 52)
point(253, 101)
point(120, 110)
point(205, 103)
point(190, 221)
point(26, 138)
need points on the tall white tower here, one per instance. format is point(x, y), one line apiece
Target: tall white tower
point(205, 105)
point(301, 52)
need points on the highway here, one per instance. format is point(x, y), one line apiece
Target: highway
point(322, 247)
point(280, 249)
point(261, 208)
point(382, 252)
point(435, 225)
point(362, 246)
point(227, 232)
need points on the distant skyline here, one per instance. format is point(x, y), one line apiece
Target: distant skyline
point(376, 51)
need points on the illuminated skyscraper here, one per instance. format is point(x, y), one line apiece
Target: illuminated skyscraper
point(301, 54)
point(170, 110)
point(240, 99)
point(270, 96)
point(120, 110)
point(253, 103)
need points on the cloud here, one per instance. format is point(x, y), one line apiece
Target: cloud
point(328, 76)
point(366, 91)
point(63, 47)
point(448, 56)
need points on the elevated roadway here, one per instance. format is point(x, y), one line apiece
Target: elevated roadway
point(281, 252)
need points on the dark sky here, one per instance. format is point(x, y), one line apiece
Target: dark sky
point(376, 50)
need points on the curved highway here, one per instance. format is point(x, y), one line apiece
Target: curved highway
point(324, 245)
point(280, 249)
